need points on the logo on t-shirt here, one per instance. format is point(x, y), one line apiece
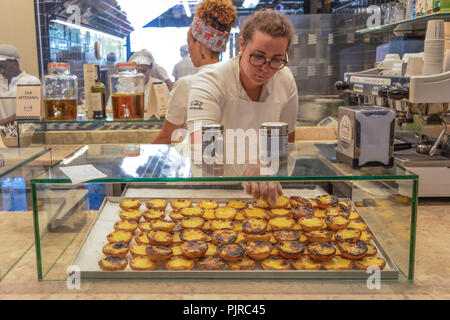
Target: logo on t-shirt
point(196, 105)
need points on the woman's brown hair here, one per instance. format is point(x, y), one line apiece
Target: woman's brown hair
point(270, 22)
point(219, 14)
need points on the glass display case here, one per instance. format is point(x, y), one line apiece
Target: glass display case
point(332, 222)
point(17, 166)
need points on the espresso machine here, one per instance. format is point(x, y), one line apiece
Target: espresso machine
point(421, 105)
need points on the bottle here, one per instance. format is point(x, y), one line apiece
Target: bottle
point(98, 97)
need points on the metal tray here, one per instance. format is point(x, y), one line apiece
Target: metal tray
point(90, 251)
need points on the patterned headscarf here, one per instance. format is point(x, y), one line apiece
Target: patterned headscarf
point(212, 38)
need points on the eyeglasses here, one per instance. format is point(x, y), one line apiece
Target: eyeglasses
point(258, 60)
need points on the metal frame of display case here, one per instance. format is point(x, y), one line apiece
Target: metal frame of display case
point(159, 166)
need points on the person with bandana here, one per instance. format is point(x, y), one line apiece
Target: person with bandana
point(218, 17)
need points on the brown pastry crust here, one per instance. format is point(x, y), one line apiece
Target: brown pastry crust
point(180, 203)
point(348, 234)
point(192, 223)
point(158, 204)
point(192, 234)
point(208, 204)
point(321, 251)
point(274, 213)
point(275, 263)
point(224, 236)
point(326, 201)
point(176, 216)
point(318, 236)
point(311, 223)
point(254, 226)
point(337, 210)
point(145, 226)
point(221, 224)
point(179, 263)
point(116, 249)
point(237, 204)
point(225, 213)
point(210, 263)
point(120, 236)
point(194, 249)
point(306, 263)
point(336, 223)
point(338, 263)
point(258, 250)
point(286, 235)
point(366, 236)
point(354, 215)
point(130, 204)
point(192, 212)
point(281, 223)
point(154, 214)
point(353, 250)
point(142, 239)
point(290, 249)
point(257, 237)
point(130, 215)
point(162, 225)
point(126, 225)
point(244, 263)
point(142, 263)
point(113, 264)
point(320, 213)
point(159, 253)
point(255, 213)
point(371, 250)
point(367, 262)
point(357, 224)
point(303, 202)
point(302, 212)
point(230, 251)
point(138, 250)
point(159, 238)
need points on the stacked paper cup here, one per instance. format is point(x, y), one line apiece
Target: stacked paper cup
point(434, 48)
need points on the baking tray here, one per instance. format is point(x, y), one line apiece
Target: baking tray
point(90, 251)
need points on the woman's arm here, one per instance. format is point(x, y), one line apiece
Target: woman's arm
point(165, 135)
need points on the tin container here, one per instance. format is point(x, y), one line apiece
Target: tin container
point(273, 142)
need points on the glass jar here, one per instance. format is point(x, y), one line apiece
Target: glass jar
point(60, 92)
point(127, 92)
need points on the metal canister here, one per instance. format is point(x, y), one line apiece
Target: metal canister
point(212, 143)
point(273, 142)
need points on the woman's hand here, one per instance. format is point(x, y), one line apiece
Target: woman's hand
point(268, 190)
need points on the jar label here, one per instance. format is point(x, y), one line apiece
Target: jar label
point(345, 129)
point(96, 101)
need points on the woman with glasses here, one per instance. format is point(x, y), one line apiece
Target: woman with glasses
point(207, 38)
point(250, 89)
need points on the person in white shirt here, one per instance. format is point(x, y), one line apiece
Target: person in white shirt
point(185, 67)
point(219, 17)
point(12, 76)
point(253, 88)
point(158, 72)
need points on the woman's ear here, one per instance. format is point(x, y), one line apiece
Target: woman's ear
point(241, 45)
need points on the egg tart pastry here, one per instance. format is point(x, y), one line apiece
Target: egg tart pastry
point(113, 263)
point(208, 204)
point(297, 227)
point(283, 202)
point(274, 251)
point(154, 214)
point(225, 213)
point(313, 202)
point(321, 251)
point(210, 263)
point(371, 250)
point(281, 223)
point(286, 235)
point(365, 236)
point(338, 263)
point(180, 204)
point(116, 249)
point(159, 253)
point(261, 203)
point(367, 262)
point(320, 213)
point(162, 225)
point(207, 226)
point(209, 214)
point(192, 212)
point(318, 236)
point(130, 204)
point(353, 250)
point(159, 238)
point(220, 224)
point(244, 263)
point(306, 263)
point(192, 223)
point(224, 236)
point(326, 201)
point(275, 263)
point(290, 249)
point(142, 239)
point(176, 250)
point(337, 210)
point(303, 202)
point(258, 250)
point(256, 213)
point(239, 216)
point(354, 215)
point(192, 234)
point(302, 212)
point(258, 237)
point(138, 250)
point(311, 223)
point(302, 238)
point(194, 249)
point(336, 223)
point(175, 216)
point(212, 250)
point(145, 226)
point(240, 237)
point(254, 226)
point(141, 263)
point(274, 213)
point(157, 204)
point(357, 224)
point(120, 236)
point(179, 263)
point(230, 251)
point(238, 226)
point(130, 215)
point(345, 203)
point(237, 204)
point(176, 238)
point(348, 234)
point(126, 225)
